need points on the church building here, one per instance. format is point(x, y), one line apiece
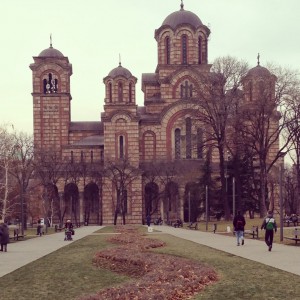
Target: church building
point(139, 139)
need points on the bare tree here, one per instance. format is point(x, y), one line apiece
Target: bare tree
point(22, 169)
point(122, 175)
point(218, 96)
point(7, 150)
point(260, 127)
point(48, 170)
point(292, 130)
point(290, 191)
point(166, 175)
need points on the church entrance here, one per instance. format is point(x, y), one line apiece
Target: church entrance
point(92, 205)
point(71, 208)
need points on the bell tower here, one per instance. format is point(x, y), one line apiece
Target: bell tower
point(51, 73)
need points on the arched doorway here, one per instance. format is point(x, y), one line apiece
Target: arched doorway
point(51, 204)
point(71, 204)
point(92, 205)
point(151, 199)
point(171, 202)
point(193, 202)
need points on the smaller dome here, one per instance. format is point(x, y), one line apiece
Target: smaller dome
point(120, 71)
point(259, 71)
point(51, 52)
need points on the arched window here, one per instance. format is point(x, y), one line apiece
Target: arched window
point(50, 84)
point(188, 124)
point(250, 91)
point(200, 50)
point(186, 90)
point(92, 156)
point(81, 156)
point(121, 147)
point(120, 91)
point(204, 53)
point(110, 92)
point(177, 144)
point(72, 157)
point(167, 45)
point(199, 143)
point(184, 49)
point(130, 92)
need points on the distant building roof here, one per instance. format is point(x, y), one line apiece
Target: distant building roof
point(86, 126)
point(149, 78)
point(94, 140)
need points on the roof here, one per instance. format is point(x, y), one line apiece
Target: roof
point(94, 140)
point(51, 52)
point(150, 77)
point(86, 126)
point(120, 71)
point(182, 17)
point(259, 71)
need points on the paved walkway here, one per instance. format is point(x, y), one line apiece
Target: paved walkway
point(21, 253)
point(282, 257)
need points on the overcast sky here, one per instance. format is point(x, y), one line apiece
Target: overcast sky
point(93, 33)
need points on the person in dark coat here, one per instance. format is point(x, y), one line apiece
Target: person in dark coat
point(239, 227)
point(4, 236)
point(148, 220)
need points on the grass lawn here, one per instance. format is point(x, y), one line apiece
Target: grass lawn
point(68, 273)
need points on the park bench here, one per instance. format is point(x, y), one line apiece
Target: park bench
point(158, 221)
point(178, 223)
point(58, 228)
point(193, 225)
point(253, 231)
point(287, 222)
point(296, 236)
point(17, 235)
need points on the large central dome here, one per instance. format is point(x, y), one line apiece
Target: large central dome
point(182, 17)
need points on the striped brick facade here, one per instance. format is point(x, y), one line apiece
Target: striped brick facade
point(140, 134)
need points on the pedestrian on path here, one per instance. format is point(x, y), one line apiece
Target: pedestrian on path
point(148, 220)
point(39, 229)
point(269, 224)
point(4, 236)
point(239, 223)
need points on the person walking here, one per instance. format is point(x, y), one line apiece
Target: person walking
point(4, 236)
point(239, 223)
point(39, 228)
point(269, 224)
point(148, 219)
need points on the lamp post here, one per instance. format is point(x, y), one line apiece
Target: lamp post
point(19, 156)
point(281, 169)
point(189, 198)
point(281, 203)
point(226, 171)
point(233, 197)
point(206, 206)
point(22, 208)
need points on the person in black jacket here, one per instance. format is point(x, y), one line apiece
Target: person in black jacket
point(4, 236)
point(269, 224)
point(239, 223)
